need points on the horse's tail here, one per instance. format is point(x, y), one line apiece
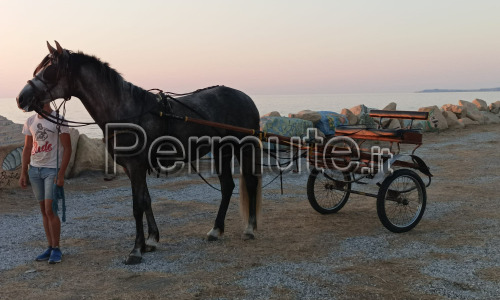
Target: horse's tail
point(251, 192)
point(245, 199)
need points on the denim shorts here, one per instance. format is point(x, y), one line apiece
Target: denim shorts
point(42, 182)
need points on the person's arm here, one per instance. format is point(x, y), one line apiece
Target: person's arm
point(66, 143)
point(28, 145)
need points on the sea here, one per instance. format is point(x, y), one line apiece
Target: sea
point(285, 104)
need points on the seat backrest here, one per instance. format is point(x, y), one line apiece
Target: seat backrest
point(399, 114)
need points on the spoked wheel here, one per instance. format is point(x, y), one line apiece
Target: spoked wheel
point(328, 190)
point(401, 201)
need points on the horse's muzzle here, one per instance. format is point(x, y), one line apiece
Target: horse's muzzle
point(26, 99)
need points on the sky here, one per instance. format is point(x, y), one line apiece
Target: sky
point(263, 47)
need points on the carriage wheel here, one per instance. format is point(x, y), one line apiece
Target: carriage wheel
point(327, 190)
point(401, 201)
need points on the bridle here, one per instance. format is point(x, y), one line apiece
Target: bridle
point(49, 76)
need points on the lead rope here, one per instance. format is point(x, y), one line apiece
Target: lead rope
point(58, 191)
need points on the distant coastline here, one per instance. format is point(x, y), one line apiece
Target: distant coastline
point(497, 89)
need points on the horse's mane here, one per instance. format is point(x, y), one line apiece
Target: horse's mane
point(79, 59)
point(42, 64)
point(113, 77)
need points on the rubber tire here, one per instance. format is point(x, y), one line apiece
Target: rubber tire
point(312, 197)
point(381, 200)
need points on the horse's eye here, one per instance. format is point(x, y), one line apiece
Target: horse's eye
point(50, 73)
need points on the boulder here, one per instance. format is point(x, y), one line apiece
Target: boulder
point(290, 127)
point(459, 111)
point(363, 114)
point(90, 156)
point(390, 106)
point(10, 159)
point(74, 135)
point(359, 109)
point(11, 148)
point(467, 122)
point(495, 107)
point(452, 120)
point(417, 124)
point(436, 119)
point(272, 114)
point(472, 112)
point(385, 122)
point(393, 124)
point(307, 115)
point(330, 121)
point(365, 119)
point(10, 132)
point(490, 118)
point(351, 118)
point(480, 104)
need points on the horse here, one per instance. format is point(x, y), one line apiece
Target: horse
point(110, 99)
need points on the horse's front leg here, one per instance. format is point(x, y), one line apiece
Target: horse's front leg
point(139, 191)
point(153, 233)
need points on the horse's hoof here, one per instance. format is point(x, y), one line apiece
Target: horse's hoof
point(151, 244)
point(133, 260)
point(150, 248)
point(213, 235)
point(212, 238)
point(248, 236)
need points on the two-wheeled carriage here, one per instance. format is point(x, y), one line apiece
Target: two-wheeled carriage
point(401, 196)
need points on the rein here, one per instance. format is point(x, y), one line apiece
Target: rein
point(58, 192)
point(59, 121)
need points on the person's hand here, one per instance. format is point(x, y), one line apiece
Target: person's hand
point(60, 179)
point(23, 180)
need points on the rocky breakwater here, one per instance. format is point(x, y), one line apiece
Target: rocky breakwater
point(447, 117)
point(88, 154)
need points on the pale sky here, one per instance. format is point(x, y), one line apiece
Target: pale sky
point(263, 47)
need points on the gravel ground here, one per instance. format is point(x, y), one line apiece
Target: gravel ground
point(298, 254)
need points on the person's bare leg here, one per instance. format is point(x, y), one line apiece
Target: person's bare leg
point(46, 225)
point(54, 224)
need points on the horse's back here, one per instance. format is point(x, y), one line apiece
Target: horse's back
point(224, 105)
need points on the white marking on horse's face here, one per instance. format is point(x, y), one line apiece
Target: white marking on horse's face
point(214, 232)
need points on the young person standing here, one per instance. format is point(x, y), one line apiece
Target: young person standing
point(39, 162)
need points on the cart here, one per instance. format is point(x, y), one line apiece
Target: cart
point(401, 197)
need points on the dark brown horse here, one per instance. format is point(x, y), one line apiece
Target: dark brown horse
point(110, 99)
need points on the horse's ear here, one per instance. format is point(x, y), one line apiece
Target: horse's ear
point(51, 49)
point(59, 48)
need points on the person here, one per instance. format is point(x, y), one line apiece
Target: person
point(39, 163)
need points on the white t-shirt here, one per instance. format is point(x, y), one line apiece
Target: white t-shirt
point(45, 138)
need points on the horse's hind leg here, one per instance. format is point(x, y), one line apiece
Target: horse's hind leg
point(223, 167)
point(153, 233)
point(250, 190)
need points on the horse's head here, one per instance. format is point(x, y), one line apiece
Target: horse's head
point(51, 80)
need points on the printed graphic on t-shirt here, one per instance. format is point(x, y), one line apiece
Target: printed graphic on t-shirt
point(40, 145)
point(41, 133)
